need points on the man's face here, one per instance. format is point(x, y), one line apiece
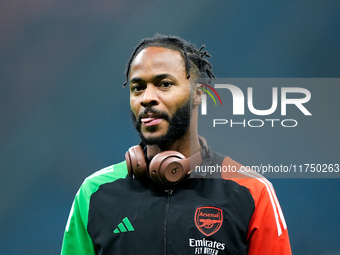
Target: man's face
point(159, 95)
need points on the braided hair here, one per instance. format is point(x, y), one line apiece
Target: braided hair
point(194, 58)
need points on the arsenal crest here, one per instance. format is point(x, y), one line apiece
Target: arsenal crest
point(208, 219)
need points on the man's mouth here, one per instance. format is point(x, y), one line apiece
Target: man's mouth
point(151, 121)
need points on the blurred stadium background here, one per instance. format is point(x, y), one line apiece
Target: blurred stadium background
point(64, 113)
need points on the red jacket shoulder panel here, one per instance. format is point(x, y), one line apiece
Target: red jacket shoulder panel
point(267, 232)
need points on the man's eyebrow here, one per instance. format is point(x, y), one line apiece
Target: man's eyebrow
point(136, 80)
point(156, 77)
point(163, 76)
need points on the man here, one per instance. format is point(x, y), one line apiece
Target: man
point(151, 203)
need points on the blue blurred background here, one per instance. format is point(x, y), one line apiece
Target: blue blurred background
point(64, 113)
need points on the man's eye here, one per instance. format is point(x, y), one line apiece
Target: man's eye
point(166, 84)
point(136, 88)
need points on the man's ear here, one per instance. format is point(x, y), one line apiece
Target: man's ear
point(198, 92)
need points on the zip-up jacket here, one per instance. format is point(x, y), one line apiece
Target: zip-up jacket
point(233, 213)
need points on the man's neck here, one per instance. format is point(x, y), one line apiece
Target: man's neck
point(187, 145)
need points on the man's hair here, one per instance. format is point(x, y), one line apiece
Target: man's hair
point(194, 58)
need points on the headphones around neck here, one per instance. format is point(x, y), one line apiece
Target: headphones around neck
point(166, 168)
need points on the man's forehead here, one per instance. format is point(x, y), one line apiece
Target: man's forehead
point(157, 60)
point(156, 52)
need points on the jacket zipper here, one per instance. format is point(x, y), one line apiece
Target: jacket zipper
point(167, 208)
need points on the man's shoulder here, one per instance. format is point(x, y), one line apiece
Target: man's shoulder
point(217, 165)
point(256, 183)
point(105, 175)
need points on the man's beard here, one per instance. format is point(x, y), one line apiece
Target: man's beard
point(178, 124)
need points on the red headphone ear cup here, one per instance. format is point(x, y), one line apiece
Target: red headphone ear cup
point(135, 162)
point(166, 168)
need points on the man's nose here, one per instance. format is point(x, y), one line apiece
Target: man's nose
point(150, 96)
